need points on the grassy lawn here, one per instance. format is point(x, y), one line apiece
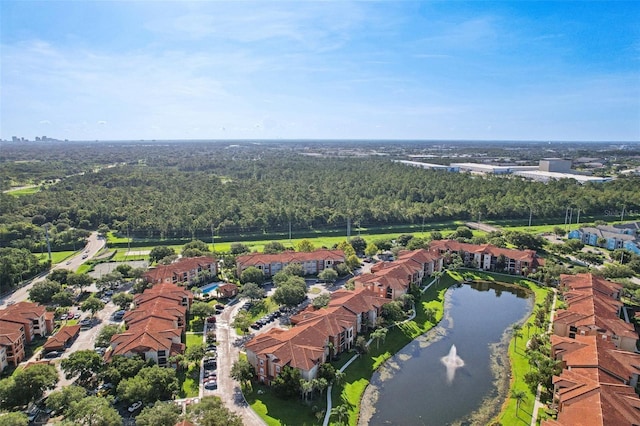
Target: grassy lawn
point(190, 379)
point(275, 411)
point(520, 366)
point(189, 382)
point(56, 256)
point(193, 339)
point(24, 191)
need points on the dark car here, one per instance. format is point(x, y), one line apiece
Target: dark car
point(52, 354)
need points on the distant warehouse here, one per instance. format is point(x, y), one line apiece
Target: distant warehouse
point(431, 166)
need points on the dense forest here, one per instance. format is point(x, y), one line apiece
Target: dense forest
point(183, 190)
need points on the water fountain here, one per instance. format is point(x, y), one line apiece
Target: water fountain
point(452, 361)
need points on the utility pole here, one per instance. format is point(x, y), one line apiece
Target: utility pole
point(578, 219)
point(289, 231)
point(128, 241)
point(570, 217)
point(530, 215)
point(213, 240)
point(46, 235)
point(348, 228)
point(622, 214)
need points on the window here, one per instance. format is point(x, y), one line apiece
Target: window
point(261, 362)
point(277, 368)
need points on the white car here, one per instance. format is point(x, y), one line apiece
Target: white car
point(134, 406)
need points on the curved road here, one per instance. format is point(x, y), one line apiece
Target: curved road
point(94, 245)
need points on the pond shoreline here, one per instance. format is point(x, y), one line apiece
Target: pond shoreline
point(500, 363)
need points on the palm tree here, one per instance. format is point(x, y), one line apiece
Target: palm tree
point(517, 333)
point(339, 378)
point(519, 396)
point(379, 334)
point(341, 412)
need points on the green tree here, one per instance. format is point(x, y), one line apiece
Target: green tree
point(242, 371)
point(294, 268)
point(346, 248)
point(194, 353)
point(149, 385)
point(341, 412)
point(92, 304)
point(287, 383)
point(238, 248)
point(27, 385)
point(79, 280)
point(210, 411)
point(305, 246)
point(84, 364)
point(252, 275)
point(559, 231)
point(274, 247)
point(378, 335)
point(122, 299)
point(195, 248)
point(62, 298)
point(404, 239)
point(93, 411)
point(201, 309)
point(519, 396)
point(392, 311)
point(17, 418)
point(61, 400)
point(291, 292)
point(160, 414)
point(328, 275)
point(121, 367)
point(252, 291)
point(105, 334)
point(125, 269)
point(361, 345)
point(321, 301)
point(436, 235)
point(358, 243)
point(59, 275)
point(371, 250)
point(353, 262)
point(160, 252)
point(462, 232)
point(242, 320)
point(43, 291)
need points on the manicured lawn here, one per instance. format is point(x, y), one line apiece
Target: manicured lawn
point(189, 382)
point(276, 411)
point(56, 256)
point(24, 191)
point(193, 339)
point(519, 367)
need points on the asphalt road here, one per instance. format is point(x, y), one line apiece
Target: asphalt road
point(94, 245)
point(228, 389)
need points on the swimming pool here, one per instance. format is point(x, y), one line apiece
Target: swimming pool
point(209, 288)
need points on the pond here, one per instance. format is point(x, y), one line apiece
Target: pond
point(418, 387)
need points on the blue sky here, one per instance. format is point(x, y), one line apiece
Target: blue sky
point(511, 70)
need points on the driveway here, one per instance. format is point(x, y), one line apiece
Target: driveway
point(228, 351)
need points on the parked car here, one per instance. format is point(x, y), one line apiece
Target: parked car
point(52, 354)
point(76, 315)
point(70, 315)
point(219, 306)
point(211, 384)
point(135, 406)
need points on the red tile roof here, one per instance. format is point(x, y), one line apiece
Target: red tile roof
point(185, 264)
point(528, 256)
point(289, 257)
point(60, 339)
